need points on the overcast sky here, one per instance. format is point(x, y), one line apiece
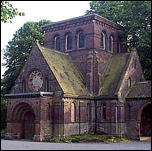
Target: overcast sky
point(38, 10)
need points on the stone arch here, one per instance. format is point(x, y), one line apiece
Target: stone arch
point(20, 109)
point(144, 118)
point(23, 117)
point(141, 109)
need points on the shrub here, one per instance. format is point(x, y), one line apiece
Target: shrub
point(89, 137)
point(3, 133)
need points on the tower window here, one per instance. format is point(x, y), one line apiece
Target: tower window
point(68, 42)
point(111, 43)
point(57, 43)
point(81, 40)
point(102, 41)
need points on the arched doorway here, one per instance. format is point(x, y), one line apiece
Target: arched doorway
point(24, 118)
point(145, 121)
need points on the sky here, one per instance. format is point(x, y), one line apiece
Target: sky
point(36, 11)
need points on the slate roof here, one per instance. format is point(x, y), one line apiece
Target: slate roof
point(140, 90)
point(65, 72)
point(113, 73)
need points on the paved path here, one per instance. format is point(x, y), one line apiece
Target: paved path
point(29, 145)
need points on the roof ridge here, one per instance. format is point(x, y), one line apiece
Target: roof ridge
point(123, 73)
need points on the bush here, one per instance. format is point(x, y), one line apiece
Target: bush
point(89, 138)
point(3, 133)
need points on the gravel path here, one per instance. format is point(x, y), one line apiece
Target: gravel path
point(29, 145)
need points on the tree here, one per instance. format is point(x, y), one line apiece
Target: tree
point(8, 12)
point(18, 50)
point(135, 17)
point(3, 112)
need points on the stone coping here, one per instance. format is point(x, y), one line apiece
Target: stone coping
point(30, 94)
point(105, 97)
point(81, 19)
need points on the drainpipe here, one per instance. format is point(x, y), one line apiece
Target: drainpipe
point(95, 105)
point(79, 117)
point(116, 119)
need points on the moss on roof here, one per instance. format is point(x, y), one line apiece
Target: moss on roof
point(113, 73)
point(140, 90)
point(66, 73)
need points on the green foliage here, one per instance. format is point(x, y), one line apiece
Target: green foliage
point(56, 140)
point(135, 17)
point(18, 50)
point(89, 137)
point(3, 112)
point(3, 133)
point(8, 12)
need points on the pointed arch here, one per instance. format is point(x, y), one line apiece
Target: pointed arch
point(73, 112)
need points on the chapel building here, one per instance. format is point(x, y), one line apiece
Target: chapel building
point(81, 80)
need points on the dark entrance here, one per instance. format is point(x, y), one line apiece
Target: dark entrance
point(28, 125)
point(145, 125)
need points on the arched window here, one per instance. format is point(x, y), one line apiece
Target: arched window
point(129, 82)
point(129, 111)
point(73, 112)
point(46, 84)
point(89, 112)
point(68, 42)
point(81, 40)
point(23, 86)
point(111, 43)
point(135, 63)
point(103, 41)
point(103, 111)
point(57, 43)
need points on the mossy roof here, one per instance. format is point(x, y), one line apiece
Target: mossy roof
point(65, 72)
point(140, 90)
point(113, 73)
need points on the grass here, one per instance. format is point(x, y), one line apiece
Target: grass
point(90, 138)
point(3, 133)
